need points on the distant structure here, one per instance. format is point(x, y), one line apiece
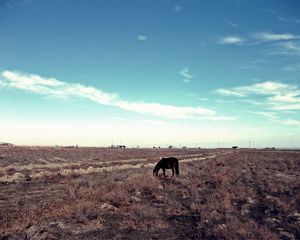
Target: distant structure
point(235, 147)
point(170, 146)
point(117, 146)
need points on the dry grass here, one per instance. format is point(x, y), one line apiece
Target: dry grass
point(233, 195)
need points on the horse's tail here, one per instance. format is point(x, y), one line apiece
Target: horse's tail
point(177, 168)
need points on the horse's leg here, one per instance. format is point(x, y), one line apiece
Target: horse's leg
point(164, 172)
point(172, 172)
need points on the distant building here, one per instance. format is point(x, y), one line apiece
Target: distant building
point(235, 147)
point(117, 146)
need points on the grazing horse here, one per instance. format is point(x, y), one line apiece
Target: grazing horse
point(167, 163)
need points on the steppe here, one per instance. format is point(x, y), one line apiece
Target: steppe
point(103, 193)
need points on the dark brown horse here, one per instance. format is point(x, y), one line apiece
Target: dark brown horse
point(167, 163)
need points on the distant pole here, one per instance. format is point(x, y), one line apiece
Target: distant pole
point(291, 142)
point(218, 145)
point(249, 144)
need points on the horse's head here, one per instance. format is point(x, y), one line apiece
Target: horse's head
point(155, 170)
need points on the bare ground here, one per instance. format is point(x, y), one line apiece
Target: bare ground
point(99, 193)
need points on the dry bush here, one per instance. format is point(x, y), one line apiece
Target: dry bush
point(75, 212)
point(143, 218)
point(146, 185)
point(236, 229)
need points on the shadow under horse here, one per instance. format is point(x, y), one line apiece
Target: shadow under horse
point(167, 163)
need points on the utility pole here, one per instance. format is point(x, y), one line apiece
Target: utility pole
point(291, 143)
point(249, 144)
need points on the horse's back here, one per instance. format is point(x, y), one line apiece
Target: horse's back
point(170, 159)
point(168, 162)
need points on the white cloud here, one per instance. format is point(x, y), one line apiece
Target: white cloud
point(233, 24)
point(262, 88)
point(279, 96)
point(186, 80)
point(287, 97)
point(286, 107)
point(53, 87)
point(294, 20)
point(227, 92)
point(252, 101)
point(270, 115)
point(231, 40)
point(285, 48)
point(265, 88)
point(291, 46)
point(269, 37)
point(2, 84)
point(185, 72)
point(177, 8)
point(142, 37)
point(291, 122)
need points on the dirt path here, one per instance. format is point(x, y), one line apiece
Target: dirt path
point(48, 169)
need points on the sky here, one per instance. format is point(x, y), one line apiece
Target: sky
point(150, 73)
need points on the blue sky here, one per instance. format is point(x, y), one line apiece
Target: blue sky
point(148, 73)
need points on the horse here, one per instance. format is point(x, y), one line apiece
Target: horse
point(167, 163)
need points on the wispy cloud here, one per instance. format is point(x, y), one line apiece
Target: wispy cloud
point(185, 72)
point(17, 3)
point(233, 24)
point(251, 101)
point(228, 92)
point(177, 8)
point(187, 76)
point(278, 96)
point(280, 43)
point(231, 40)
point(142, 37)
point(291, 48)
point(272, 116)
point(186, 80)
point(53, 87)
point(287, 106)
point(252, 64)
point(293, 20)
point(269, 115)
point(270, 37)
point(291, 122)
point(292, 68)
point(268, 10)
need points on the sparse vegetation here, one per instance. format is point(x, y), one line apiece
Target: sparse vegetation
point(220, 194)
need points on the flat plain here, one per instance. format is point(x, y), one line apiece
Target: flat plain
point(103, 193)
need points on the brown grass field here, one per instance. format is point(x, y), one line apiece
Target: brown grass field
point(101, 193)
